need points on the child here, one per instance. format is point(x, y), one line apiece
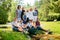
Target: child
point(17, 26)
point(27, 14)
point(31, 28)
point(18, 12)
point(38, 27)
point(31, 14)
point(24, 18)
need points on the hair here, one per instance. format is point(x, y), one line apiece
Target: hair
point(27, 10)
point(31, 9)
point(18, 6)
point(22, 8)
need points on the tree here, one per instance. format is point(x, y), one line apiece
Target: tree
point(48, 7)
point(12, 13)
point(4, 9)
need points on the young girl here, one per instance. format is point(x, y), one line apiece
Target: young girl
point(27, 15)
point(31, 14)
point(18, 12)
point(24, 18)
point(38, 27)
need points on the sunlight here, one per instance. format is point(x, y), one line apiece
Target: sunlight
point(31, 2)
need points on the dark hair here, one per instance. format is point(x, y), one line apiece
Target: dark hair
point(18, 6)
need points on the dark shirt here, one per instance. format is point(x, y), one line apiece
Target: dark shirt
point(22, 14)
point(37, 23)
point(35, 13)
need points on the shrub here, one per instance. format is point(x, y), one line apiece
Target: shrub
point(58, 18)
point(53, 17)
point(3, 16)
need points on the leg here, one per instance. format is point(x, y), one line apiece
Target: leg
point(39, 28)
point(20, 29)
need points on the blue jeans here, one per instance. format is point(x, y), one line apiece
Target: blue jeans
point(15, 28)
point(39, 28)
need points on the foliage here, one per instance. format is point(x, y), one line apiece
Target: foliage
point(4, 9)
point(49, 7)
point(53, 17)
point(12, 14)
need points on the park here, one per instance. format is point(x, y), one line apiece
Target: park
point(48, 15)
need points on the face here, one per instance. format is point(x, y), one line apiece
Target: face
point(27, 10)
point(22, 8)
point(31, 9)
point(35, 8)
point(19, 7)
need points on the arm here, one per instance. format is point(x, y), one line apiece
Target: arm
point(15, 24)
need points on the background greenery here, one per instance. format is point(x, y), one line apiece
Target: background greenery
point(8, 34)
point(49, 10)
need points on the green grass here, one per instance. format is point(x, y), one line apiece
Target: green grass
point(9, 35)
point(53, 26)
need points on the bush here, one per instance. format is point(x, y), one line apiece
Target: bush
point(12, 36)
point(3, 16)
point(53, 17)
point(58, 18)
point(5, 7)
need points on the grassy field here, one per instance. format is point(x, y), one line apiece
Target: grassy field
point(53, 26)
point(7, 34)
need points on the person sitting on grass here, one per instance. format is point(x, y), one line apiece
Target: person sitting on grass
point(38, 26)
point(17, 25)
point(24, 18)
point(33, 28)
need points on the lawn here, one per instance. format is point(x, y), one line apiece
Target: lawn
point(8, 34)
point(53, 26)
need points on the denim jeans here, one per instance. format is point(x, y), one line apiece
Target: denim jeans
point(15, 28)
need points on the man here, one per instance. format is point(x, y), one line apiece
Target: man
point(35, 14)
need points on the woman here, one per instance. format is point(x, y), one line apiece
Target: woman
point(22, 13)
point(27, 15)
point(31, 14)
point(18, 12)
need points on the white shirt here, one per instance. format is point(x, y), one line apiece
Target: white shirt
point(17, 24)
point(29, 24)
point(27, 14)
point(31, 15)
